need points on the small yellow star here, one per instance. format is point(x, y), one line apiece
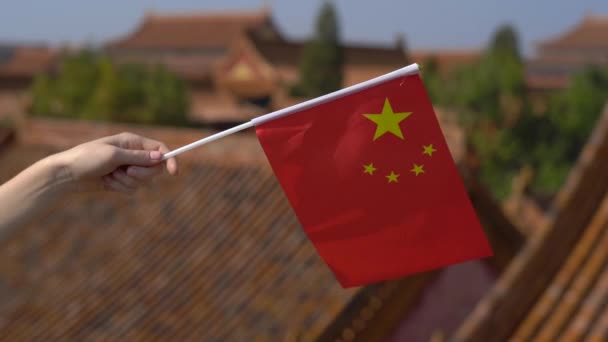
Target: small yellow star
point(417, 169)
point(393, 177)
point(369, 168)
point(429, 149)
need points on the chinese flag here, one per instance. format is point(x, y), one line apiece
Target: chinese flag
point(371, 180)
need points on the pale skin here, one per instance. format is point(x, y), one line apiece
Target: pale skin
point(119, 163)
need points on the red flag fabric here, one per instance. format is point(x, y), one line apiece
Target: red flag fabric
point(372, 182)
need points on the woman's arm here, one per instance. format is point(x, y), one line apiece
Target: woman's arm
point(119, 163)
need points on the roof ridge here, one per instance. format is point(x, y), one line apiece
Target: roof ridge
point(198, 14)
point(595, 18)
point(472, 51)
point(590, 21)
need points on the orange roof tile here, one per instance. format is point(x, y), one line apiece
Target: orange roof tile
point(360, 62)
point(525, 213)
point(547, 82)
point(549, 72)
point(561, 310)
point(284, 52)
point(217, 107)
point(377, 309)
point(447, 60)
point(206, 30)
point(589, 33)
point(198, 67)
point(25, 61)
point(547, 61)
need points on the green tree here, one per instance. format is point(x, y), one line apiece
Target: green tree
point(432, 80)
point(492, 92)
point(322, 58)
point(490, 96)
point(505, 43)
point(500, 124)
point(89, 86)
point(566, 126)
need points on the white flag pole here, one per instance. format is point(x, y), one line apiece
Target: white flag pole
point(208, 139)
point(408, 70)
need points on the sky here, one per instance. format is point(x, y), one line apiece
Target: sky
point(426, 24)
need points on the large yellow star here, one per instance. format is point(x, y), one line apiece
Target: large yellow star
point(417, 169)
point(387, 121)
point(392, 177)
point(369, 168)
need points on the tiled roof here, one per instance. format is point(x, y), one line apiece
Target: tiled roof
point(278, 53)
point(553, 71)
point(206, 30)
point(360, 62)
point(525, 213)
point(547, 82)
point(190, 67)
point(220, 107)
point(589, 33)
point(377, 309)
point(446, 301)
point(561, 57)
point(214, 253)
point(549, 61)
point(571, 307)
point(554, 285)
point(447, 60)
point(26, 61)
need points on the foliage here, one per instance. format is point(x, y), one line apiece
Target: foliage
point(505, 132)
point(567, 124)
point(322, 58)
point(7, 121)
point(92, 87)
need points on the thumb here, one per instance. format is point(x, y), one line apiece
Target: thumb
point(137, 157)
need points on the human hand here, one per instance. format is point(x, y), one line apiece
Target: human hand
point(121, 162)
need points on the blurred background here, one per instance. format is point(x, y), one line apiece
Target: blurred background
point(520, 90)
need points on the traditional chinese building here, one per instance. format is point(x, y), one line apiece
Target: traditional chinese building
point(238, 64)
point(446, 60)
point(561, 57)
point(18, 66)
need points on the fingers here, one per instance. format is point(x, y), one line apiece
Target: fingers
point(171, 163)
point(121, 176)
point(136, 157)
point(144, 173)
point(112, 184)
point(128, 180)
point(132, 142)
point(172, 166)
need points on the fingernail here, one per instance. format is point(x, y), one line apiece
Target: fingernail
point(155, 155)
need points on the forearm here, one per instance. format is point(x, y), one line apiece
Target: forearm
point(30, 191)
point(100, 164)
